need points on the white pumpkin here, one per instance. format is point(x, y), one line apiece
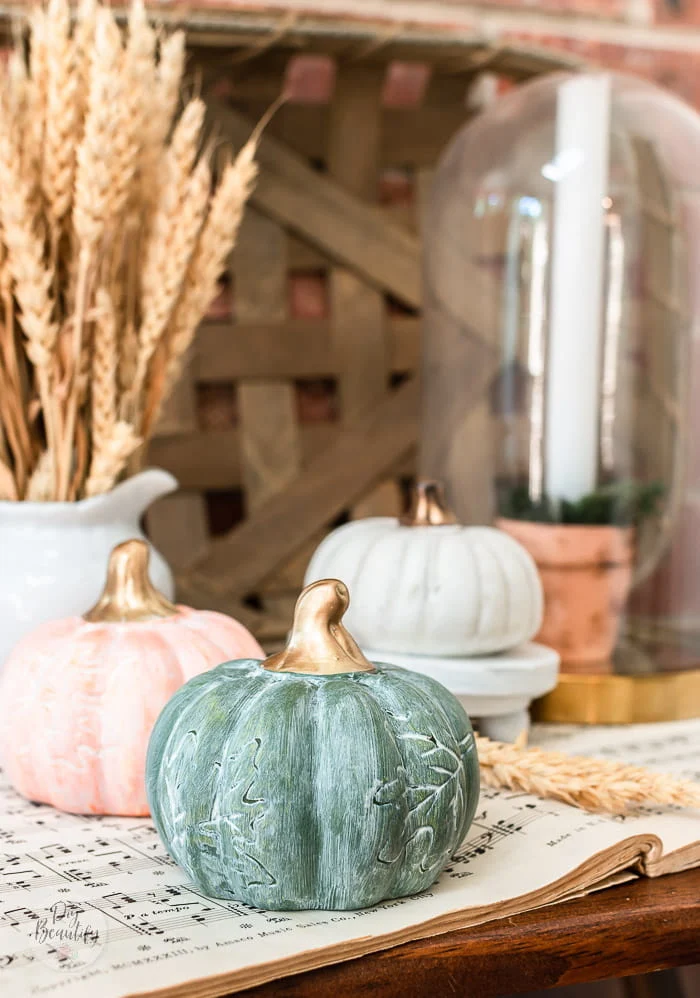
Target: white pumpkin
point(426, 585)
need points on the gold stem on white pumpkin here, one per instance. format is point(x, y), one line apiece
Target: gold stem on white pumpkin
point(129, 595)
point(319, 644)
point(428, 506)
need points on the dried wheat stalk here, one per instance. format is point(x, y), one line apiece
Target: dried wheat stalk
point(96, 169)
point(109, 461)
point(178, 220)
point(104, 373)
point(8, 489)
point(163, 102)
point(95, 164)
point(208, 262)
point(13, 432)
point(41, 484)
point(17, 96)
point(111, 241)
point(37, 86)
point(58, 165)
point(84, 37)
point(84, 40)
point(17, 446)
point(591, 784)
point(140, 73)
point(31, 280)
point(25, 252)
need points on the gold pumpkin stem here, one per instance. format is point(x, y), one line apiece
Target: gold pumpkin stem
point(428, 506)
point(129, 595)
point(319, 644)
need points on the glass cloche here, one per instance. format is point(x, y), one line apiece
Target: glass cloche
point(561, 311)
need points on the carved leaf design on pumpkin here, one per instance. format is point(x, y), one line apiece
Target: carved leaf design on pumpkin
point(391, 792)
point(446, 766)
point(231, 835)
point(226, 837)
point(446, 788)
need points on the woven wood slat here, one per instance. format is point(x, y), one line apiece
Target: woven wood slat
point(315, 212)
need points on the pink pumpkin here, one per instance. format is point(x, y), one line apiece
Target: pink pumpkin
point(79, 697)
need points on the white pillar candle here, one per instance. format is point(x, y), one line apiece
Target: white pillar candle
point(580, 174)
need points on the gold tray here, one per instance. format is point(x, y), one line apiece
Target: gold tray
point(609, 699)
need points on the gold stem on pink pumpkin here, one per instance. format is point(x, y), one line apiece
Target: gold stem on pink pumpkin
point(129, 595)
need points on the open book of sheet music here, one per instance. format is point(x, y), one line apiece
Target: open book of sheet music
point(95, 906)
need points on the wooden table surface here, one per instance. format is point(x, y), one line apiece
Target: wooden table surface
point(631, 929)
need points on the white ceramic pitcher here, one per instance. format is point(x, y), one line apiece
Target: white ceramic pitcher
point(53, 555)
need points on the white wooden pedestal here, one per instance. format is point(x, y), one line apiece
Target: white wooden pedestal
point(495, 690)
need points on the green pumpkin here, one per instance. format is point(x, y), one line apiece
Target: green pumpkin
point(314, 779)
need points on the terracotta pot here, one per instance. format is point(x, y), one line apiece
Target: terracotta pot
point(586, 574)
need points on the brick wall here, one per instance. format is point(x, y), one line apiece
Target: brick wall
point(657, 39)
point(665, 50)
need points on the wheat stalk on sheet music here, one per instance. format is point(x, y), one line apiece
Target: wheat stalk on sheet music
point(588, 783)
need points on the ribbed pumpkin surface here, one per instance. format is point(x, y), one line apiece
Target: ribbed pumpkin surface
point(292, 791)
point(78, 702)
point(447, 590)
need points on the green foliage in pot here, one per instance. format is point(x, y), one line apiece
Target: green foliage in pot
point(621, 504)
